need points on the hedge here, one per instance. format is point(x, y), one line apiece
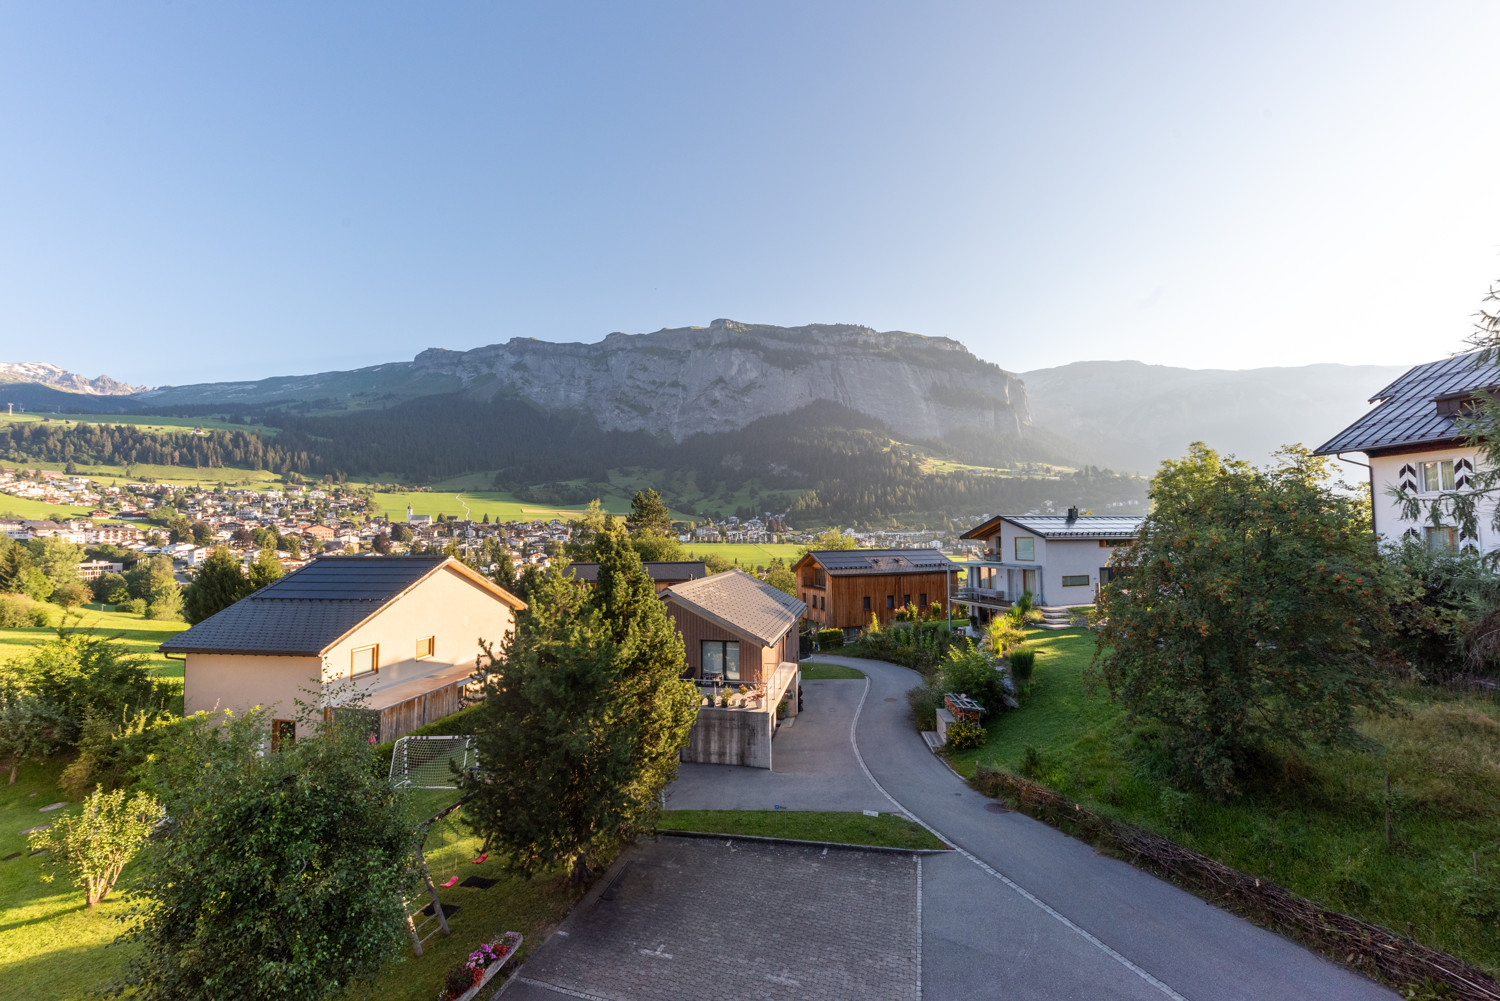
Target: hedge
point(458, 724)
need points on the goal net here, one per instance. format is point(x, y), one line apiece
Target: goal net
point(423, 762)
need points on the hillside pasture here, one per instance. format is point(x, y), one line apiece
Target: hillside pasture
point(146, 422)
point(745, 555)
point(137, 634)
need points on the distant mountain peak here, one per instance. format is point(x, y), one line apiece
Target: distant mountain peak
point(57, 377)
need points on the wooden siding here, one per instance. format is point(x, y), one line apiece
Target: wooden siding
point(844, 596)
point(757, 663)
point(404, 717)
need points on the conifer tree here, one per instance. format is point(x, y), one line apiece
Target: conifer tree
point(218, 584)
point(582, 719)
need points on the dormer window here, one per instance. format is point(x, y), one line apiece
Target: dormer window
point(1437, 476)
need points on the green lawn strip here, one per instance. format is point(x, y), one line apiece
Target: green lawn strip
point(32, 509)
point(886, 830)
point(1311, 821)
point(138, 634)
point(747, 555)
point(813, 670)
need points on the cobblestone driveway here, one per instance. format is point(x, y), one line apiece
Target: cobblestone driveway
point(695, 920)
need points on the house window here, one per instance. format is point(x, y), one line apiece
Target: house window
point(906, 600)
point(1107, 544)
point(425, 647)
point(823, 603)
point(867, 603)
point(1437, 476)
point(1442, 539)
point(1075, 580)
point(364, 660)
point(283, 732)
point(819, 578)
point(923, 596)
point(721, 659)
point(1025, 548)
point(890, 602)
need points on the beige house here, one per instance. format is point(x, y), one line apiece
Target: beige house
point(401, 631)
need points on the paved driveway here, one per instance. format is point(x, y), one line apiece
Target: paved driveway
point(695, 920)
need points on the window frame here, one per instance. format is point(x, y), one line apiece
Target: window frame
point(431, 644)
point(374, 660)
point(890, 603)
point(1429, 533)
point(1446, 483)
point(867, 604)
point(279, 735)
point(1030, 541)
point(723, 646)
point(1077, 579)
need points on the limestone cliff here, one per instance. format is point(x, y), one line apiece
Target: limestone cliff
point(683, 381)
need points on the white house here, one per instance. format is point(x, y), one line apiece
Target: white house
point(1060, 559)
point(1412, 441)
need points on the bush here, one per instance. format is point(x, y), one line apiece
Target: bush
point(135, 606)
point(17, 611)
point(93, 847)
point(925, 700)
point(828, 639)
point(971, 671)
point(1022, 662)
point(70, 594)
point(965, 735)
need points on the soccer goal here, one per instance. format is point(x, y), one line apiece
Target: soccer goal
point(423, 762)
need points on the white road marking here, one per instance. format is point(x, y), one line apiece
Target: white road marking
point(1025, 893)
point(660, 952)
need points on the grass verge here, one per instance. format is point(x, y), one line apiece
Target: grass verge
point(1312, 821)
point(886, 830)
point(813, 670)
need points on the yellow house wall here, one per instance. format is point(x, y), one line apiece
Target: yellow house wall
point(215, 681)
point(446, 606)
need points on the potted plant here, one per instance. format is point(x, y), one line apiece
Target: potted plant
point(781, 709)
point(463, 982)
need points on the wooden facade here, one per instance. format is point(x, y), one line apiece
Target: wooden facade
point(757, 662)
point(846, 601)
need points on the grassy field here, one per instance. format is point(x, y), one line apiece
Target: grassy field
point(814, 671)
point(137, 634)
point(26, 507)
point(1312, 821)
point(745, 554)
point(186, 476)
point(805, 825)
point(499, 506)
point(147, 423)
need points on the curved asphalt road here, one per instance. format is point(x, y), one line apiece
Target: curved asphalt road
point(1023, 911)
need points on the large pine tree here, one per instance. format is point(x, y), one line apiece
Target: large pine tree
point(582, 719)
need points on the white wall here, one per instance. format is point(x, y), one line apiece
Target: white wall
point(1389, 522)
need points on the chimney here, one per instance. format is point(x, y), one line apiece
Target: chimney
point(1072, 515)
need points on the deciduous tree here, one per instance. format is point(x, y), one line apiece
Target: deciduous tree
point(93, 846)
point(218, 584)
point(1250, 613)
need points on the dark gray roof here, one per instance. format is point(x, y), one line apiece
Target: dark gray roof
point(660, 570)
point(856, 562)
point(308, 610)
point(741, 603)
point(1060, 526)
point(1405, 412)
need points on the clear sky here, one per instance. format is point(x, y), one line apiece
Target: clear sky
point(195, 192)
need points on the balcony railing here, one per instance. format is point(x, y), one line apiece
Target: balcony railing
point(982, 596)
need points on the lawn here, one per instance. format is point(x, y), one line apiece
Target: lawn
point(499, 506)
point(52, 946)
point(886, 830)
point(183, 475)
point(748, 555)
point(137, 634)
point(812, 670)
point(1313, 821)
point(12, 506)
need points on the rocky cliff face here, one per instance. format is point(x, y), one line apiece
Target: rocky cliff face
point(689, 380)
point(58, 378)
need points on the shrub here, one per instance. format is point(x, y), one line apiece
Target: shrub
point(965, 735)
point(828, 639)
point(924, 701)
point(70, 594)
point(135, 606)
point(17, 611)
point(94, 846)
point(1022, 662)
point(972, 672)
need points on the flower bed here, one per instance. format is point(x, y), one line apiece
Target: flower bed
point(463, 983)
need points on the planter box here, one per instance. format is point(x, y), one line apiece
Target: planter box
point(494, 968)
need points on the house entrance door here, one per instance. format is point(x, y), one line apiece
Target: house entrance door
point(1028, 581)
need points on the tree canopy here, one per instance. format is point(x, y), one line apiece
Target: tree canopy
point(582, 718)
point(218, 584)
point(648, 513)
point(1248, 614)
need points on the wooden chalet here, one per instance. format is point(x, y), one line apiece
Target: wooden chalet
point(844, 587)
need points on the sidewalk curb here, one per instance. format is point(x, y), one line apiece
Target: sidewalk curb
point(842, 846)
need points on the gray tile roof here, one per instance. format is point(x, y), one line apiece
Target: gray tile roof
point(867, 562)
point(661, 570)
point(308, 610)
point(1405, 412)
point(1059, 526)
point(740, 602)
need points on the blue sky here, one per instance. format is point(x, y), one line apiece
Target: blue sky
point(198, 192)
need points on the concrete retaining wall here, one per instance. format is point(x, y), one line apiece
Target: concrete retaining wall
point(731, 737)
